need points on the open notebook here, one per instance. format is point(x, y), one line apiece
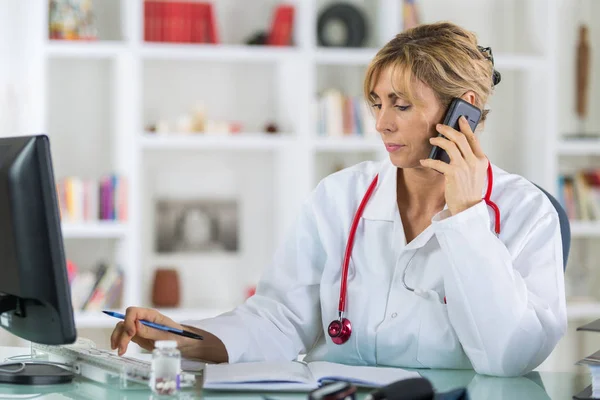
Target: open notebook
point(296, 376)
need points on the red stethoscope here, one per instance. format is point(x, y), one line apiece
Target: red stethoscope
point(339, 330)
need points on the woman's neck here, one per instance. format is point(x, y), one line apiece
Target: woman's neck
point(421, 190)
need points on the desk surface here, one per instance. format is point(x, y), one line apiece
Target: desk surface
point(534, 386)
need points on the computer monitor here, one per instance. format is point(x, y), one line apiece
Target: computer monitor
point(35, 300)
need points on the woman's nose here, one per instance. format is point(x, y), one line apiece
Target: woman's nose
point(385, 122)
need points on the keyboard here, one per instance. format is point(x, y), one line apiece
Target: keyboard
point(104, 366)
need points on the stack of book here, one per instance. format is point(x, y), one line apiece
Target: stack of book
point(342, 115)
point(93, 290)
point(593, 363)
point(179, 22)
point(579, 194)
point(86, 200)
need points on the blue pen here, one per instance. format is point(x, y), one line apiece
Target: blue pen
point(158, 326)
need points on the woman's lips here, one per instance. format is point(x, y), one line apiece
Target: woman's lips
point(392, 147)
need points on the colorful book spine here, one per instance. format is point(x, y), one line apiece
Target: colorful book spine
point(342, 115)
point(86, 200)
point(579, 194)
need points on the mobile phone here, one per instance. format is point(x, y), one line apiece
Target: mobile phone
point(456, 109)
point(334, 391)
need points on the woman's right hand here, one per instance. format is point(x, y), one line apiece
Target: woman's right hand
point(132, 330)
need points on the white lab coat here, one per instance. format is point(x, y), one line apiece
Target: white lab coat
point(505, 308)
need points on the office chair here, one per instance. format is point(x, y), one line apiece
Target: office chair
point(565, 227)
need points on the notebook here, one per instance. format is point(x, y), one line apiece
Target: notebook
point(296, 376)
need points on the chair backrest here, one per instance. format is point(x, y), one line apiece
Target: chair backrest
point(565, 227)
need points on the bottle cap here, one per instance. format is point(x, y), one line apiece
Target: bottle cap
point(165, 344)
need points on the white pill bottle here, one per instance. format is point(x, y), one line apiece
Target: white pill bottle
point(166, 368)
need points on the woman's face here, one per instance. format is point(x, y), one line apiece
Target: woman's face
point(405, 130)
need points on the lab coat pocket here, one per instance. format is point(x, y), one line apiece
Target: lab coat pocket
point(438, 345)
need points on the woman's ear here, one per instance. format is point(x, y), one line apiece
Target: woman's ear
point(469, 96)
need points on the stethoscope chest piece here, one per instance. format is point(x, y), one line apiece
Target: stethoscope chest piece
point(339, 330)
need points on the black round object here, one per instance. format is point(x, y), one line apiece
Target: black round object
point(352, 20)
point(496, 77)
point(35, 374)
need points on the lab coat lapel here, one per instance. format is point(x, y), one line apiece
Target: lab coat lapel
point(382, 206)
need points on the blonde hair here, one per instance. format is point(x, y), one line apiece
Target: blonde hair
point(442, 55)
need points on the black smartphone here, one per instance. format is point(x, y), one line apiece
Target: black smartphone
point(457, 108)
point(334, 391)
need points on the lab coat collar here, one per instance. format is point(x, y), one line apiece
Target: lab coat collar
point(383, 205)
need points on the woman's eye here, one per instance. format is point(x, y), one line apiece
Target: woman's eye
point(377, 106)
point(402, 108)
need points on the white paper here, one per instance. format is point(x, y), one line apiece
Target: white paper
point(296, 376)
point(258, 375)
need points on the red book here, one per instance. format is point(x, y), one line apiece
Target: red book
point(168, 19)
point(282, 26)
point(213, 35)
point(159, 21)
point(147, 7)
point(198, 23)
point(186, 22)
point(177, 16)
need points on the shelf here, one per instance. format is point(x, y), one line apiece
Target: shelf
point(347, 144)
point(175, 51)
point(162, 259)
point(84, 49)
point(182, 314)
point(519, 62)
point(585, 228)
point(583, 310)
point(341, 56)
point(579, 147)
point(363, 56)
point(96, 319)
point(202, 141)
point(99, 230)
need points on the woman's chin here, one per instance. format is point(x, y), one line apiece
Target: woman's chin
point(404, 162)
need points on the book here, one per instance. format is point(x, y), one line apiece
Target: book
point(296, 375)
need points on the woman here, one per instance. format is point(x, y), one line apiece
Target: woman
point(430, 284)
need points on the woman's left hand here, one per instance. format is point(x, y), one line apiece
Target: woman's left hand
point(465, 175)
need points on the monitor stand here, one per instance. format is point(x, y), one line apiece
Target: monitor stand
point(33, 369)
point(34, 373)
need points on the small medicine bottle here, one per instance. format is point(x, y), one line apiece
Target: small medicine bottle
point(166, 368)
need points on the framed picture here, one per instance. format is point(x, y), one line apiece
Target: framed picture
point(196, 226)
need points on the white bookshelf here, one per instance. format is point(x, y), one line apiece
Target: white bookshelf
point(585, 229)
point(209, 52)
point(94, 230)
point(583, 310)
point(275, 172)
point(344, 56)
point(85, 50)
point(584, 147)
point(207, 141)
point(347, 144)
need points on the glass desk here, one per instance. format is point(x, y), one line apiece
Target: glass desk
point(534, 386)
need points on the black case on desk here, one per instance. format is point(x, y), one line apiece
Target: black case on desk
point(592, 326)
point(585, 394)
